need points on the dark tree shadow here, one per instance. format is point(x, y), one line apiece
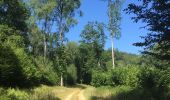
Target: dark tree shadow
point(136, 94)
point(11, 74)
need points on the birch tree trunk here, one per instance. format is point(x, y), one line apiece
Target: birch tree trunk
point(61, 80)
point(113, 58)
point(45, 47)
point(45, 41)
point(61, 40)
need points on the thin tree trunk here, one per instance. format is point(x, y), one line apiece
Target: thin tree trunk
point(61, 40)
point(45, 41)
point(61, 34)
point(45, 47)
point(61, 80)
point(113, 58)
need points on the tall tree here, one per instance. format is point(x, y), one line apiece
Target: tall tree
point(156, 15)
point(91, 48)
point(114, 14)
point(14, 14)
point(64, 17)
point(42, 11)
point(93, 35)
point(14, 61)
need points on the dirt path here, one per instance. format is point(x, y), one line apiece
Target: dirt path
point(76, 95)
point(80, 95)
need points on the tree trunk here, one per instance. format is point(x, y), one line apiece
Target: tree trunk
point(45, 47)
point(45, 41)
point(61, 81)
point(113, 58)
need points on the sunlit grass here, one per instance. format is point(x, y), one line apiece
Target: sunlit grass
point(42, 92)
point(105, 93)
point(53, 91)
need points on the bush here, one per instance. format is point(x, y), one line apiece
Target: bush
point(15, 62)
point(9, 67)
point(71, 77)
point(44, 93)
point(101, 79)
point(164, 81)
point(49, 77)
point(15, 94)
point(3, 94)
point(16, 67)
point(155, 82)
point(47, 73)
point(127, 76)
point(29, 71)
point(148, 78)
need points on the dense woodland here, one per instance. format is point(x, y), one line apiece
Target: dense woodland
point(34, 49)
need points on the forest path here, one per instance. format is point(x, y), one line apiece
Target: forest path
point(77, 94)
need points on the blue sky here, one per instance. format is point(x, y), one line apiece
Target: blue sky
point(96, 10)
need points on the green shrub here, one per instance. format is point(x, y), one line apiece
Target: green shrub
point(16, 67)
point(148, 78)
point(127, 76)
point(46, 70)
point(164, 80)
point(155, 82)
point(101, 79)
point(71, 77)
point(3, 95)
point(15, 94)
point(29, 71)
point(49, 77)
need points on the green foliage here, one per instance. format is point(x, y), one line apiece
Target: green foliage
point(101, 79)
point(42, 9)
point(64, 14)
point(110, 93)
point(71, 75)
point(60, 61)
point(126, 76)
point(164, 80)
point(155, 82)
point(148, 60)
point(121, 59)
point(15, 61)
point(43, 93)
point(3, 94)
point(114, 14)
point(15, 94)
point(148, 77)
point(46, 70)
point(9, 68)
point(49, 77)
point(72, 50)
point(91, 48)
point(39, 93)
point(156, 42)
point(146, 82)
point(14, 14)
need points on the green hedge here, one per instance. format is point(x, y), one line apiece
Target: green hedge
point(155, 82)
point(127, 76)
point(13, 94)
point(101, 79)
point(47, 73)
point(71, 76)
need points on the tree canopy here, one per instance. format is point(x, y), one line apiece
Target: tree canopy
point(155, 13)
